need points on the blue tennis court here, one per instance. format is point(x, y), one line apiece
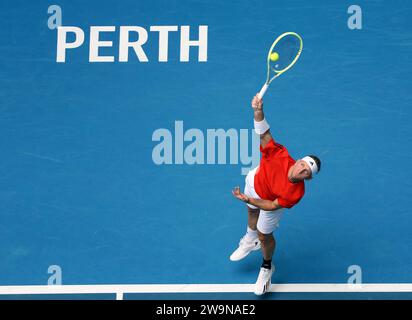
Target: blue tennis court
point(120, 172)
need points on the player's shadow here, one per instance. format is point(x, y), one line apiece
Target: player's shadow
point(250, 265)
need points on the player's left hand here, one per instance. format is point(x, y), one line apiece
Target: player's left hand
point(237, 194)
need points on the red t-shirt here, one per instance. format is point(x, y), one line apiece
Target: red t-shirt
point(271, 178)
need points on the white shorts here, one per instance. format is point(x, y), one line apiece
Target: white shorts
point(268, 220)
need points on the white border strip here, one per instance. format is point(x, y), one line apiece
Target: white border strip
point(120, 290)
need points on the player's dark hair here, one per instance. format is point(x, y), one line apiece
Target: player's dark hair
point(317, 160)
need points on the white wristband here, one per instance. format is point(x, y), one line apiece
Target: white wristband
point(261, 126)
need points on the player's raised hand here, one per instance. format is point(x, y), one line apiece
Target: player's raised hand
point(257, 103)
point(237, 194)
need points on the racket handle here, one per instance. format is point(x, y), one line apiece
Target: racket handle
point(263, 90)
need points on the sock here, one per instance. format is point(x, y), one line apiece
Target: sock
point(251, 234)
point(267, 264)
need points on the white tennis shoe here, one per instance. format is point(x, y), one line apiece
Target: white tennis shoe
point(264, 280)
point(246, 246)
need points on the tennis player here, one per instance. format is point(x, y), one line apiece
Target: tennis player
point(277, 183)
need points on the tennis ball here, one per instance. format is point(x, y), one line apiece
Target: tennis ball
point(274, 56)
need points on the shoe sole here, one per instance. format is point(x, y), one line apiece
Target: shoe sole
point(265, 289)
point(238, 259)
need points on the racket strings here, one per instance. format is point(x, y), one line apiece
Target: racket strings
point(287, 49)
point(283, 54)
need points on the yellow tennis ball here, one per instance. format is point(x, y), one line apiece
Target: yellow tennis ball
point(274, 56)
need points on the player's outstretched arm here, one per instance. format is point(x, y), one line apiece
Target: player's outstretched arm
point(257, 106)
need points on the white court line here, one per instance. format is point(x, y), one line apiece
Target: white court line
point(120, 290)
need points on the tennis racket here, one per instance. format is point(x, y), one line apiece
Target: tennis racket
point(283, 54)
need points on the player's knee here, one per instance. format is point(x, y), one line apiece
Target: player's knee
point(265, 238)
point(253, 211)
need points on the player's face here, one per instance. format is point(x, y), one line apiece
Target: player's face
point(301, 171)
